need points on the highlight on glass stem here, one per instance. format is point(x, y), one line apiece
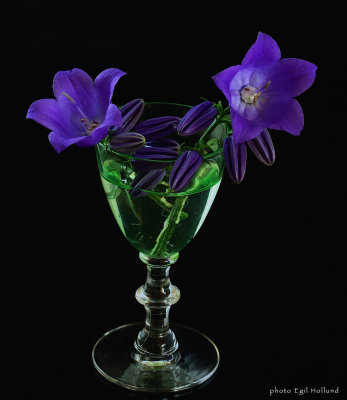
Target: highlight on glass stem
point(161, 165)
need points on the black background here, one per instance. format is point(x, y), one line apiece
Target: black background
point(263, 278)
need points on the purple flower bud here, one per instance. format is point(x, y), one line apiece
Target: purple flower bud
point(263, 148)
point(131, 113)
point(146, 181)
point(167, 143)
point(235, 156)
point(128, 142)
point(197, 118)
point(156, 128)
point(148, 154)
point(184, 169)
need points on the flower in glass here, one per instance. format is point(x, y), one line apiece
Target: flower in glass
point(261, 90)
point(81, 112)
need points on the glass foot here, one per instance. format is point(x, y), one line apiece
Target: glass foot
point(113, 357)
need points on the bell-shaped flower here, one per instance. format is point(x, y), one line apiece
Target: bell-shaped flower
point(156, 128)
point(261, 90)
point(235, 155)
point(81, 112)
point(131, 112)
point(184, 169)
point(149, 158)
point(197, 118)
point(146, 181)
point(263, 148)
point(127, 142)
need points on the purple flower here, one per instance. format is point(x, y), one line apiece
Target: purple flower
point(235, 155)
point(156, 128)
point(184, 169)
point(261, 90)
point(263, 148)
point(197, 118)
point(146, 181)
point(131, 112)
point(81, 112)
point(127, 142)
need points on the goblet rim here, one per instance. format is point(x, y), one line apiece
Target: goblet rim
point(132, 157)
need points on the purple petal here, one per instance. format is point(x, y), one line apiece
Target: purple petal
point(96, 136)
point(243, 130)
point(291, 77)
point(127, 142)
point(104, 84)
point(184, 169)
point(235, 156)
point(290, 120)
point(80, 87)
point(146, 181)
point(223, 79)
point(47, 113)
point(131, 113)
point(156, 128)
point(264, 51)
point(197, 118)
point(165, 142)
point(60, 141)
point(262, 147)
point(156, 153)
point(113, 118)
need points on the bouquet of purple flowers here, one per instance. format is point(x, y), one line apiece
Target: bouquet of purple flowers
point(260, 92)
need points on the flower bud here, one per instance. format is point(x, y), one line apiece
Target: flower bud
point(156, 128)
point(131, 113)
point(146, 181)
point(165, 142)
point(235, 156)
point(197, 118)
point(184, 169)
point(262, 147)
point(150, 157)
point(128, 142)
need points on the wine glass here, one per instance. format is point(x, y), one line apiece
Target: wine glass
point(159, 224)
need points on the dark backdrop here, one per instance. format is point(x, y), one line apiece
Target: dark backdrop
point(263, 277)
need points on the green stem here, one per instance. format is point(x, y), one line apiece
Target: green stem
point(132, 205)
point(169, 226)
point(164, 204)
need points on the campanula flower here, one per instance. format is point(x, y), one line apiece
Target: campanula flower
point(184, 169)
point(261, 90)
point(131, 112)
point(263, 148)
point(127, 142)
point(81, 112)
point(235, 155)
point(156, 128)
point(146, 181)
point(197, 118)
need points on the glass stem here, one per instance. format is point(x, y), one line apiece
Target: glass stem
point(156, 344)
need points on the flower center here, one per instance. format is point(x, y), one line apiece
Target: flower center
point(90, 125)
point(249, 94)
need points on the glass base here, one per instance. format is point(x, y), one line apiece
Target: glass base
point(113, 357)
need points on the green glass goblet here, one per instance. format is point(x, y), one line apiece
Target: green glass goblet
point(151, 356)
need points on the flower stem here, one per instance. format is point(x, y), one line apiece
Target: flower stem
point(169, 226)
point(164, 204)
